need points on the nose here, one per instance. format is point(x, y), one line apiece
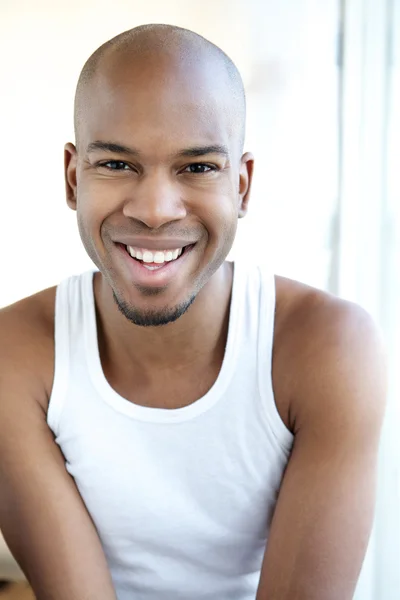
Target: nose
point(155, 201)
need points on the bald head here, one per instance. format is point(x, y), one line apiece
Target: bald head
point(177, 57)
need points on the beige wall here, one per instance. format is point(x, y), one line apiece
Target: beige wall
point(8, 567)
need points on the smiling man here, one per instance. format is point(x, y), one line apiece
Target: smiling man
point(172, 425)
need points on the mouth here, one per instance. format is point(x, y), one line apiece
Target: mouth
point(153, 260)
point(155, 268)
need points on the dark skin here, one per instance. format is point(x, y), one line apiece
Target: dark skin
point(328, 362)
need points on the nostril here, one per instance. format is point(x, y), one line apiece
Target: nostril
point(4, 583)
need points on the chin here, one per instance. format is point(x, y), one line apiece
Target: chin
point(152, 316)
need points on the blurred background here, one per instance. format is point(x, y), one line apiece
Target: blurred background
point(323, 90)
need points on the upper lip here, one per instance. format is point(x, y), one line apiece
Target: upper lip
point(153, 243)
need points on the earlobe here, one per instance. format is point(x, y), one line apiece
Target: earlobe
point(245, 180)
point(70, 162)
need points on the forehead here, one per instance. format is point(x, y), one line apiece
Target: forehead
point(159, 104)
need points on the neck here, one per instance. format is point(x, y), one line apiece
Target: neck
point(197, 336)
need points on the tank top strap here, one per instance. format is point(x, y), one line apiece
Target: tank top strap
point(267, 307)
point(69, 327)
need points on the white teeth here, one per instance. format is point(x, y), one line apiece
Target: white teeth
point(147, 256)
point(159, 257)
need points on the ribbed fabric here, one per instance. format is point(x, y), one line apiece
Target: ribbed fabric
point(182, 499)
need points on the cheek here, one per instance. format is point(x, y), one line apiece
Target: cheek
point(85, 234)
point(84, 216)
point(229, 228)
point(89, 222)
point(220, 218)
point(93, 207)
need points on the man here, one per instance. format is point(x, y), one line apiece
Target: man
point(173, 425)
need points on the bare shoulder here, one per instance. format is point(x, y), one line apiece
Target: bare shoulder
point(320, 341)
point(27, 347)
point(305, 313)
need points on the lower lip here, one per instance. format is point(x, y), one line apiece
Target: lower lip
point(159, 277)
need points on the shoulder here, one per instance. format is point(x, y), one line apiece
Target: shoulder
point(328, 353)
point(27, 342)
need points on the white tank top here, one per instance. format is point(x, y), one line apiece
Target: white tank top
point(182, 498)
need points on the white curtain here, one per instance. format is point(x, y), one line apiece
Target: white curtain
point(292, 127)
point(368, 241)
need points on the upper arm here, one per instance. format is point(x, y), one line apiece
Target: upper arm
point(42, 516)
point(324, 512)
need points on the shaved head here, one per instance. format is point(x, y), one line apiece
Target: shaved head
point(163, 49)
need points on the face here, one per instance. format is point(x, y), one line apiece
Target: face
point(158, 185)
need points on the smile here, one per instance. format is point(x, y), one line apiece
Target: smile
point(155, 259)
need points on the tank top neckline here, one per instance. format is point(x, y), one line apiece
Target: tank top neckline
point(161, 415)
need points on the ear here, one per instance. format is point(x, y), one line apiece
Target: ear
point(245, 179)
point(70, 162)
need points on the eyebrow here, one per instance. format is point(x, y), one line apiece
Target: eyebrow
point(110, 147)
point(203, 150)
point(186, 152)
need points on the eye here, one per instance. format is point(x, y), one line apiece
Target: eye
point(199, 168)
point(115, 165)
